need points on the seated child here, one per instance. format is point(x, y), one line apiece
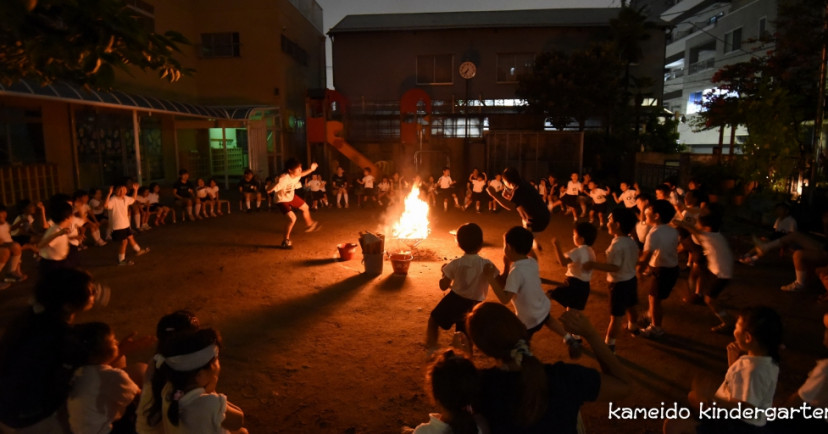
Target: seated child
point(101, 389)
point(455, 387)
point(155, 205)
point(188, 366)
point(29, 225)
point(204, 199)
point(15, 251)
point(750, 381)
point(468, 284)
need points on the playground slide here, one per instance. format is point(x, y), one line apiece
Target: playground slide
point(334, 138)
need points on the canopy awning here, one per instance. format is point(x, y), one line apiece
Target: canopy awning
point(67, 92)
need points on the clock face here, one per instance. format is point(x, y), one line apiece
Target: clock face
point(467, 70)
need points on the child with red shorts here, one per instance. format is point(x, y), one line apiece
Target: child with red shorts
point(288, 201)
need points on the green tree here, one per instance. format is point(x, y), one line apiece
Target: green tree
point(82, 41)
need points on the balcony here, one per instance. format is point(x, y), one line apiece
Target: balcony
point(702, 66)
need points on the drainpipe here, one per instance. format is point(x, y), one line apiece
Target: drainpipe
point(136, 130)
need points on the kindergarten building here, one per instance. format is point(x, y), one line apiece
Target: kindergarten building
point(243, 107)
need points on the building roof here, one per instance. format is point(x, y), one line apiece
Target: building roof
point(582, 17)
point(63, 91)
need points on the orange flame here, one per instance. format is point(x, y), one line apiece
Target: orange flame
point(413, 223)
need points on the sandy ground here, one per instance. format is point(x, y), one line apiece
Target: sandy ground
point(311, 344)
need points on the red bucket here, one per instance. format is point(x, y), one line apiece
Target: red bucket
point(400, 262)
point(346, 251)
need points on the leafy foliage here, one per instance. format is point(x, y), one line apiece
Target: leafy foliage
point(82, 41)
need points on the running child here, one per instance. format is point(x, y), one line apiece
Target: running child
point(478, 192)
point(468, 284)
point(660, 255)
point(599, 203)
point(574, 188)
point(384, 191)
point(496, 185)
point(717, 274)
point(367, 184)
point(445, 190)
point(520, 285)
point(622, 256)
point(288, 202)
point(627, 196)
point(119, 205)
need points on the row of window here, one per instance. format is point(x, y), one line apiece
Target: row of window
point(227, 44)
point(439, 69)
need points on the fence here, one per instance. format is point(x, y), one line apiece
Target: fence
point(36, 182)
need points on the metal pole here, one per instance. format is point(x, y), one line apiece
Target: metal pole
point(136, 130)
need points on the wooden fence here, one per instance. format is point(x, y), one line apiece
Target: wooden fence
point(36, 182)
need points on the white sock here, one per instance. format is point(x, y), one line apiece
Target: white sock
point(121, 257)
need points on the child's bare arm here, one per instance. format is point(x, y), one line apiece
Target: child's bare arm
point(496, 281)
point(445, 282)
point(600, 266)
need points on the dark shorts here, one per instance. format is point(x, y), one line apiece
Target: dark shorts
point(536, 225)
point(154, 207)
point(663, 281)
point(482, 196)
point(316, 195)
point(22, 239)
point(600, 207)
point(712, 286)
point(368, 191)
point(623, 295)
point(286, 207)
point(572, 294)
point(452, 310)
point(121, 234)
point(570, 200)
point(444, 193)
point(100, 217)
point(537, 328)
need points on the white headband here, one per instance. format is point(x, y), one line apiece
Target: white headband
point(187, 362)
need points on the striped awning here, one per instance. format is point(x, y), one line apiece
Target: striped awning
point(63, 91)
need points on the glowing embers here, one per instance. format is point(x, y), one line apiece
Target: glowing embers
point(413, 224)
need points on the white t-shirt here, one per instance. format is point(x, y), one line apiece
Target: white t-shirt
point(285, 187)
point(531, 303)
point(815, 389)
point(579, 256)
point(213, 191)
point(573, 188)
point(82, 209)
point(690, 215)
point(497, 185)
point(753, 380)
point(74, 230)
point(5, 233)
point(314, 185)
point(368, 181)
point(201, 192)
point(384, 186)
point(785, 225)
point(628, 197)
point(26, 227)
point(662, 242)
point(200, 412)
point(120, 211)
point(623, 252)
point(718, 253)
point(478, 185)
point(96, 206)
point(58, 248)
point(152, 198)
point(141, 200)
point(467, 278)
point(598, 195)
point(444, 182)
point(99, 396)
point(641, 230)
point(435, 426)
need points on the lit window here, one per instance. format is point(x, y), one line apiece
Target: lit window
point(220, 44)
point(694, 103)
point(510, 66)
point(435, 69)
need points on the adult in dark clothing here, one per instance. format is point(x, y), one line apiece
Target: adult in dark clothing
point(523, 395)
point(33, 353)
point(529, 204)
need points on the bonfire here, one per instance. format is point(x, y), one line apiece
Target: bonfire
point(412, 228)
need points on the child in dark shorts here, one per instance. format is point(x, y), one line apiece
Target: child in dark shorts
point(574, 292)
point(468, 284)
point(622, 256)
point(660, 257)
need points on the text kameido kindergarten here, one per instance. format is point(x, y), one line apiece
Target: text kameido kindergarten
point(713, 412)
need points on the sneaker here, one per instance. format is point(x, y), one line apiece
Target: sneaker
point(15, 278)
point(792, 287)
point(143, 251)
point(145, 227)
point(749, 260)
point(125, 262)
point(286, 244)
point(723, 328)
point(315, 226)
point(574, 347)
point(644, 322)
point(652, 332)
point(100, 243)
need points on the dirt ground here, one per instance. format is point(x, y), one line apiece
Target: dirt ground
point(313, 345)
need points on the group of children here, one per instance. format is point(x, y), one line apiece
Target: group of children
point(88, 382)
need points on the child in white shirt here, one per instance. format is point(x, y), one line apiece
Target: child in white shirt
point(119, 205)
point(599, 203)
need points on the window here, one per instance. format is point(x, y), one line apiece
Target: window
point(763, 28)
point(510, 66)
point(293, 50)
point(220, 44)
point(435, 69)
point(694, 103)
point(733, 40)
point(21, 141)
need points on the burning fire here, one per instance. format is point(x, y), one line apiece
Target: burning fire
point(413, 223)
